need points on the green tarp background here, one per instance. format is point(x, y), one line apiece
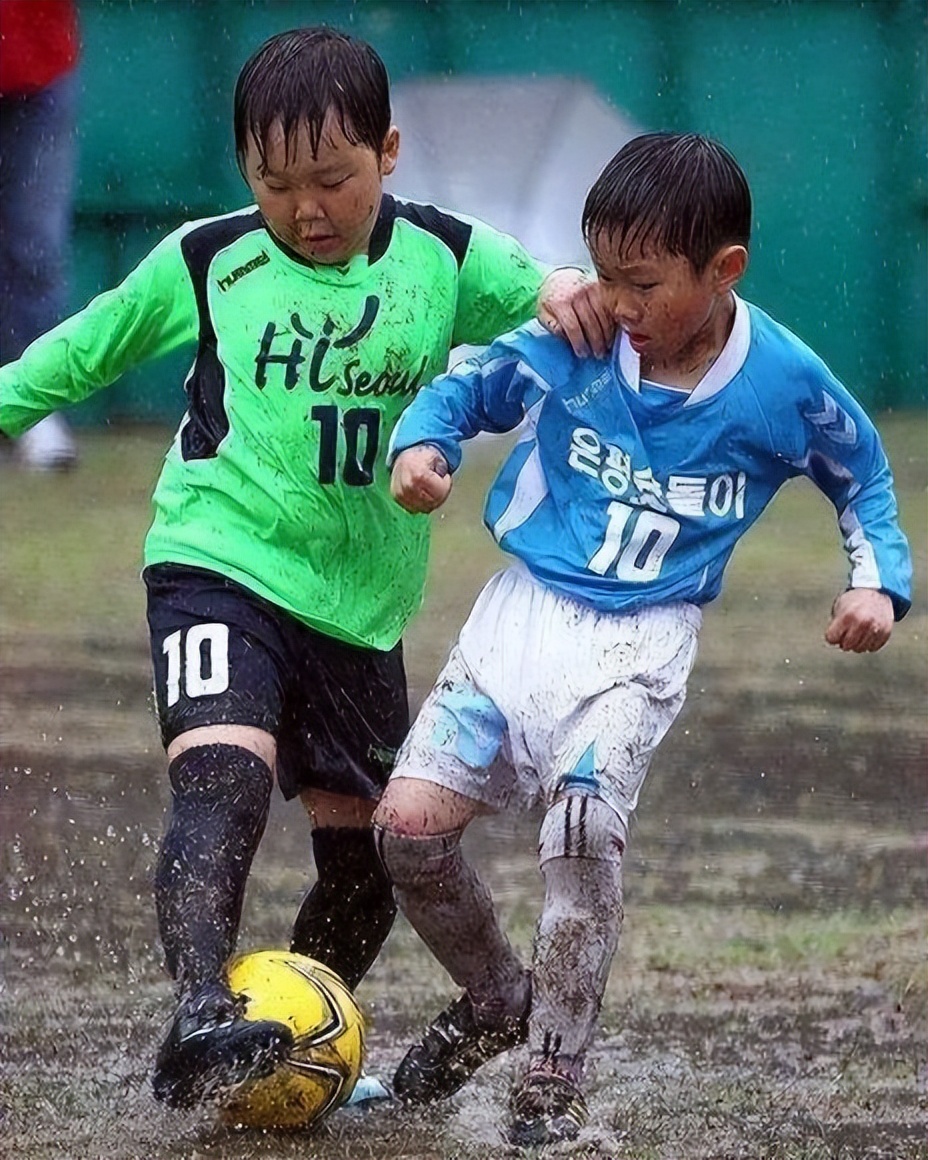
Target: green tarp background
point(822, 101)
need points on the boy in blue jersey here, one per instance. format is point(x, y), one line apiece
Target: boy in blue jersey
point(632, 480)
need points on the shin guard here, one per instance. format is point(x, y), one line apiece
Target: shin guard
point(578, 932)
point(219, 806)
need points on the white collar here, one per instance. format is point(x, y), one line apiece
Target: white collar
point(719, 375)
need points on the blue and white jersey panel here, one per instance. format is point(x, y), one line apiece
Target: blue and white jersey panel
point(624, 493)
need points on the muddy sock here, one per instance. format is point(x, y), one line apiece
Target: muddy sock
point(452, 911)
point(219, 807)
point(348, 913)
point(575, 942)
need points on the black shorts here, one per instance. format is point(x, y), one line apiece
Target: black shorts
point(224, 656)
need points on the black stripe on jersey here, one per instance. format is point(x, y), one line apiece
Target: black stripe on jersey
point(448, 229)
point(207, 422)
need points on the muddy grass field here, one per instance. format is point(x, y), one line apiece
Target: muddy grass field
point(769, 999)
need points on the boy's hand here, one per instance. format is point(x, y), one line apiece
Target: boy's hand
point(420, 481)
point(861, 620)
point(570, 305)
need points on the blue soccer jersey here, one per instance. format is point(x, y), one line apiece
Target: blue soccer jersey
point(623, 493)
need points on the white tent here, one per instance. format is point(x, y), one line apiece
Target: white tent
point(519, 153)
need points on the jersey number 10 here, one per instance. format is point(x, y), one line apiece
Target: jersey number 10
point(641, 557)
point(358, 468)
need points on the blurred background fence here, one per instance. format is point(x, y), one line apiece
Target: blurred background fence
point(822, 101)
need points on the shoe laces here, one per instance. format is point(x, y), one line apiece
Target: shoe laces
point(545, 1094)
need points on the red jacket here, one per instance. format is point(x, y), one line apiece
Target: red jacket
point(39, 42)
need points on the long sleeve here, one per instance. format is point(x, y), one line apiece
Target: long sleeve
point(845, 458)
point(489, 392)
point(149, 314)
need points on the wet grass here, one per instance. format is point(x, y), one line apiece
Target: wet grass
point(770, 997)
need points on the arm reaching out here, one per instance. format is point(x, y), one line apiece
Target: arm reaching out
point(861, 620)
point(420, 481)
point(151, 312)
point(842, 454)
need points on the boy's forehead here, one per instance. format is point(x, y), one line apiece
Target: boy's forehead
point(620, 251)
point(284, 149)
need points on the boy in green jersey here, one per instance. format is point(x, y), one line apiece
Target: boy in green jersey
point(280, 575)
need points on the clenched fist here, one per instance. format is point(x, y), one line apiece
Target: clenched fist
point(420, 481)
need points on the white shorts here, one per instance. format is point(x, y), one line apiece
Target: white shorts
point(543, 697)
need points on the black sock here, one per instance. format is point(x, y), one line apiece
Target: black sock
point(347, 915)
point(220, 800)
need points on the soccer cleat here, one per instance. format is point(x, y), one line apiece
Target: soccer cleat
point(545, 1109)
point(452, 1048)
point(211, 1046)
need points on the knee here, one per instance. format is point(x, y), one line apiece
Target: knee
point(221, 778)
point(337, 811)
point(248, 737)
point(417, 808)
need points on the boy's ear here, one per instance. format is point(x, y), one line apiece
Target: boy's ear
point(728, 267)
point(389, 152)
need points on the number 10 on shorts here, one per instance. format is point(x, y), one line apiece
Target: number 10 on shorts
point(200, 657)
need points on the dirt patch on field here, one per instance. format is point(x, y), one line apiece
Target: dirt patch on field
point(768, 1000)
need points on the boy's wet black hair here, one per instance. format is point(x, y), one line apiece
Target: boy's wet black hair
point(298, 78)
point(678, 192)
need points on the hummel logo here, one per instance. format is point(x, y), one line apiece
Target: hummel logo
point(833, 421)
point(240, 271)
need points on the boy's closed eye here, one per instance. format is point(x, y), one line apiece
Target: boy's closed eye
point(642, 286)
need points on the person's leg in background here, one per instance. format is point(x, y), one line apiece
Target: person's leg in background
point(37, 169)
point(347, 914)
point(337, 749)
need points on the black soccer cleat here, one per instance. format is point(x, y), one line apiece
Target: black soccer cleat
point(211, 1046)
point(545, 1109)
point(452, 1048)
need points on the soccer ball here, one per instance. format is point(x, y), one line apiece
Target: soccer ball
point(328, 1035)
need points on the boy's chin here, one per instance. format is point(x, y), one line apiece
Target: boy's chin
point(321, 252)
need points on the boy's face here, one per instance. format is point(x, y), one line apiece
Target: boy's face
point(671, 314)
point(323, 206)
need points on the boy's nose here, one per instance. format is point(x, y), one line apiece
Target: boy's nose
point(307, 209)
point(627, 312)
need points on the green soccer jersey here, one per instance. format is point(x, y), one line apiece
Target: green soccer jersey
point(277, 475)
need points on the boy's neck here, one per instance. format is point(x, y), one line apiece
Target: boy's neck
point(688, 366)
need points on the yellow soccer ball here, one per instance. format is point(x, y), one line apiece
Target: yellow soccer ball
point(328, 1035)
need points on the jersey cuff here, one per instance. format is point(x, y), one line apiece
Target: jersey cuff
point(901, 604)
